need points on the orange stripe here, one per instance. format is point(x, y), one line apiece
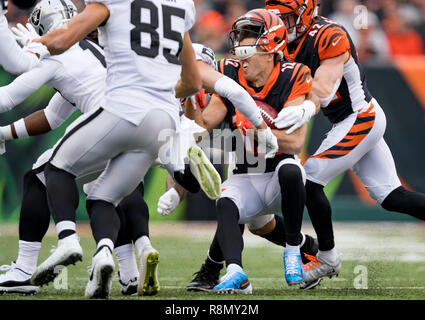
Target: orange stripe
point(362, 126)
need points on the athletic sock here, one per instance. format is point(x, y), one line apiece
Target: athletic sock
point(292, 249)
point(127, 263)
point(141, 243)
point(65, 229)
point(28, 256)
point(329, 256)
point(233, 267)
point(105, 242)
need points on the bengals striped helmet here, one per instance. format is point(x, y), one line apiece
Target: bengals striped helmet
point(298, 15)
point(265, 26)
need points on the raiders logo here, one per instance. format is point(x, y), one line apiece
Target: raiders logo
point(35, 17)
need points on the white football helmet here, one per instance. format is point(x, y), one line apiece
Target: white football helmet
point(51, 14)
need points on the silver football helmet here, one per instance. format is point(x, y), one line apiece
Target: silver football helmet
point(51, 14)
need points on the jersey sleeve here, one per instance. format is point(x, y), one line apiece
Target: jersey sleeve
point(12, 57)
point(190, 15)
point(301, 82)
point(205, 54)
point(27, 83)
point(58, 111)
point(332, 42)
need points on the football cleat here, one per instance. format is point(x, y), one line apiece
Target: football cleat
point(311, 252)
point(234, 282)
point(68, 252)
point(294, 271)
point(16, 280)
point(319, 268)
point(148, 280)
point(100, 281)
point(205, 279)
point(204, 172)
point(129, 288)
point(310, 285)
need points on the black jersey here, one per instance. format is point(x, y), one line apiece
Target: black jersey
point(287, 82)
point(327, 39)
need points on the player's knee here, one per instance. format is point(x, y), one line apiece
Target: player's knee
point(395, 200)
point(290, 174)
point(226, 207)
point(51, 171)
point(264, 230)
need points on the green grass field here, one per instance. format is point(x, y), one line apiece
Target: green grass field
point(392, 255)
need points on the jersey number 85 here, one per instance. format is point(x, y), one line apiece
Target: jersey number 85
point(151, 29)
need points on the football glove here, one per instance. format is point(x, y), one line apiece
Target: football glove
point(295, 116)
point(24, 35)
point(37, 48)
point(168, 202)
point(266, 136)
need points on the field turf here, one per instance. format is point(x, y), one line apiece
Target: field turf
point(380, 261)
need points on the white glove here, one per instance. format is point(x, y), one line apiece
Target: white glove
point(24, 35)
point(168, 202)
point(295, 116)
point(2, 143)
point(37, 48)
point(266, 136)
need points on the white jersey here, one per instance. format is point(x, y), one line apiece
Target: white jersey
point(78, 75)
point(142, 41)
point(12, 58)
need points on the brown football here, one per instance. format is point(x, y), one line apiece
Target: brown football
point(268, 113)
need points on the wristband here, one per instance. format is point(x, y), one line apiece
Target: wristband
point(7, 132)
point(21, 129)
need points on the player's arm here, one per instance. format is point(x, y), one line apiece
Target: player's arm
point(61, 39)
point(212, 115)
point(12, 58)
point(292, 143)
point(26, 84)
point(328, 78)
point(190, 80)
point(215, 82)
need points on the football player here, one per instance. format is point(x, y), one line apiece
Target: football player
point(356, 139)
point(72, 84)
point(259, 38)
point(12, 58)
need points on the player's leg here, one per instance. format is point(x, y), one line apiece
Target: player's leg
point(291, 178)
point(344, 146)
point(33, 224)
point(377, 171)
point(272, 228)
point(83, 146)
point(208, 275)
point(121, 176)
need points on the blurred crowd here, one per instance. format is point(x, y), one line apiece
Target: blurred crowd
point(380, 29)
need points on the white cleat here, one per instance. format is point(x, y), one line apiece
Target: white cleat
point(203, 170)
point(68, 252)
point(148, 280)
point(318, 267)
point(100, 281)
point(128, 288)
point(16, 280)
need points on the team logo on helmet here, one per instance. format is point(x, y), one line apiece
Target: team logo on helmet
point(266, 27)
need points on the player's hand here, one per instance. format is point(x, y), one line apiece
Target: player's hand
point(38, 49)
point(24, 35)
point(168, 202)
point(295, 116)
point(2, 143)
point(266, 136)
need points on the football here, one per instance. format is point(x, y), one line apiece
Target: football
point(268, 113)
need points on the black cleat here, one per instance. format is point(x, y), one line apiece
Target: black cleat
point(205, 279)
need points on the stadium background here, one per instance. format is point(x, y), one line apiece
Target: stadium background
point(391, 49)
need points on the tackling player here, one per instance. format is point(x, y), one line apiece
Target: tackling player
point(259, 38)
point(356, 139)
